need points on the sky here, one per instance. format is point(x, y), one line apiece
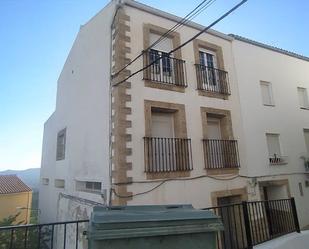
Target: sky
point(36, 36)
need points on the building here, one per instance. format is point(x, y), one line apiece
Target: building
point(15, 198)
point(182, 131)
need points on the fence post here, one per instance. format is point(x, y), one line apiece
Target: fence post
point(247, 224)
point(295, 217)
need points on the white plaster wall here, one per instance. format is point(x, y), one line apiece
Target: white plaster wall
point(83, 108)
point(195, 191)
point(286, 118)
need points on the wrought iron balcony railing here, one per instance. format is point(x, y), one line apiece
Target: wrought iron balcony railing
point(164, 68)
point(167, 154)
point(277, 159)
point(212, 79)
point(221, 154)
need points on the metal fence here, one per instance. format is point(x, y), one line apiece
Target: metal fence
point(248, 224)
point(167, 154)
point(220, 154)
point(58, 235)
point(212, 79)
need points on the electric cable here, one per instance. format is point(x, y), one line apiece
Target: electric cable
point(183, 44)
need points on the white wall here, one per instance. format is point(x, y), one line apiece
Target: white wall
point(195, 191)
point(83, 108)
point(285, 73)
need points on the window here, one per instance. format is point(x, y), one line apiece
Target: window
point(300, 186)
point(274, 150)
point(166, 146)
point(208, 60)
point(273, 144)
point(45, 181)
point(89, 186)
point(306, 136)
point(303, 97)
point(267, 96)
point(162, 124)
point(213, 128)
point(61, 139)
point(59, 183)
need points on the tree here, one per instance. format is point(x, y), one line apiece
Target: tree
point(23, 236)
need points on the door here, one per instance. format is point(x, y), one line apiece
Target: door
point(162, 70)
point(216, 149)
point(163, 144)
point(208, 60)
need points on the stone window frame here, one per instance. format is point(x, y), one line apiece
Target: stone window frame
point(200, 44)
point(175, 36)
point(60, 152)
point(179, 115)
point(180, 130)
point(226, 129)
point(225, 121)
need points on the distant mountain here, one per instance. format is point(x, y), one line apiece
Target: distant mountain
point(30, 176)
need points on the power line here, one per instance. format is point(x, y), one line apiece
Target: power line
point(185, 20)
point(196, 11)
point(227, 178)
point(185, 43)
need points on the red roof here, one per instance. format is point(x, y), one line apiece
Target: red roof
point(12, 184)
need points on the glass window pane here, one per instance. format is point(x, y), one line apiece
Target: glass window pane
point(273, 144)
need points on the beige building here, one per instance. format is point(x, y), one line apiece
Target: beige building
point(179, 132)
point(15, 198)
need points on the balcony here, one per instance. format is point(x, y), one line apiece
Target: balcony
point(221, 154)
point(212, 80)
point(277, 159)
point(167, 154)
point(165, 69)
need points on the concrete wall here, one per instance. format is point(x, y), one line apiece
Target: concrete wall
point(10, 202)
point(254, 64)
point(83, 109)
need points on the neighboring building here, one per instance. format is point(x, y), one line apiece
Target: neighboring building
point(274, 105)
point(183, 131)
point(15, 198)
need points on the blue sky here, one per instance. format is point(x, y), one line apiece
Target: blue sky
point(36, 36)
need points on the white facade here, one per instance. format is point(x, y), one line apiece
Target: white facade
point(285, 117)
point(84, 108)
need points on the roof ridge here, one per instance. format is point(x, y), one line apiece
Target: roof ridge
point(12, 184)
point(270, 47)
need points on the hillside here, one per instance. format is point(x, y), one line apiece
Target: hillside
point(30, 176)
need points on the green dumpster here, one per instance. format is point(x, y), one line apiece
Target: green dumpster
point(153, 227)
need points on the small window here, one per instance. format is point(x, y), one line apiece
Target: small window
point(303, 97)
point(59, 183)
point(300, 186)
point(273, 144)
point(267, 95)
point(306, 136)
point(61, 139)
point(88, 186)
point(45, 181)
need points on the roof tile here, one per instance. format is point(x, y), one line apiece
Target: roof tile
point(12, 184)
